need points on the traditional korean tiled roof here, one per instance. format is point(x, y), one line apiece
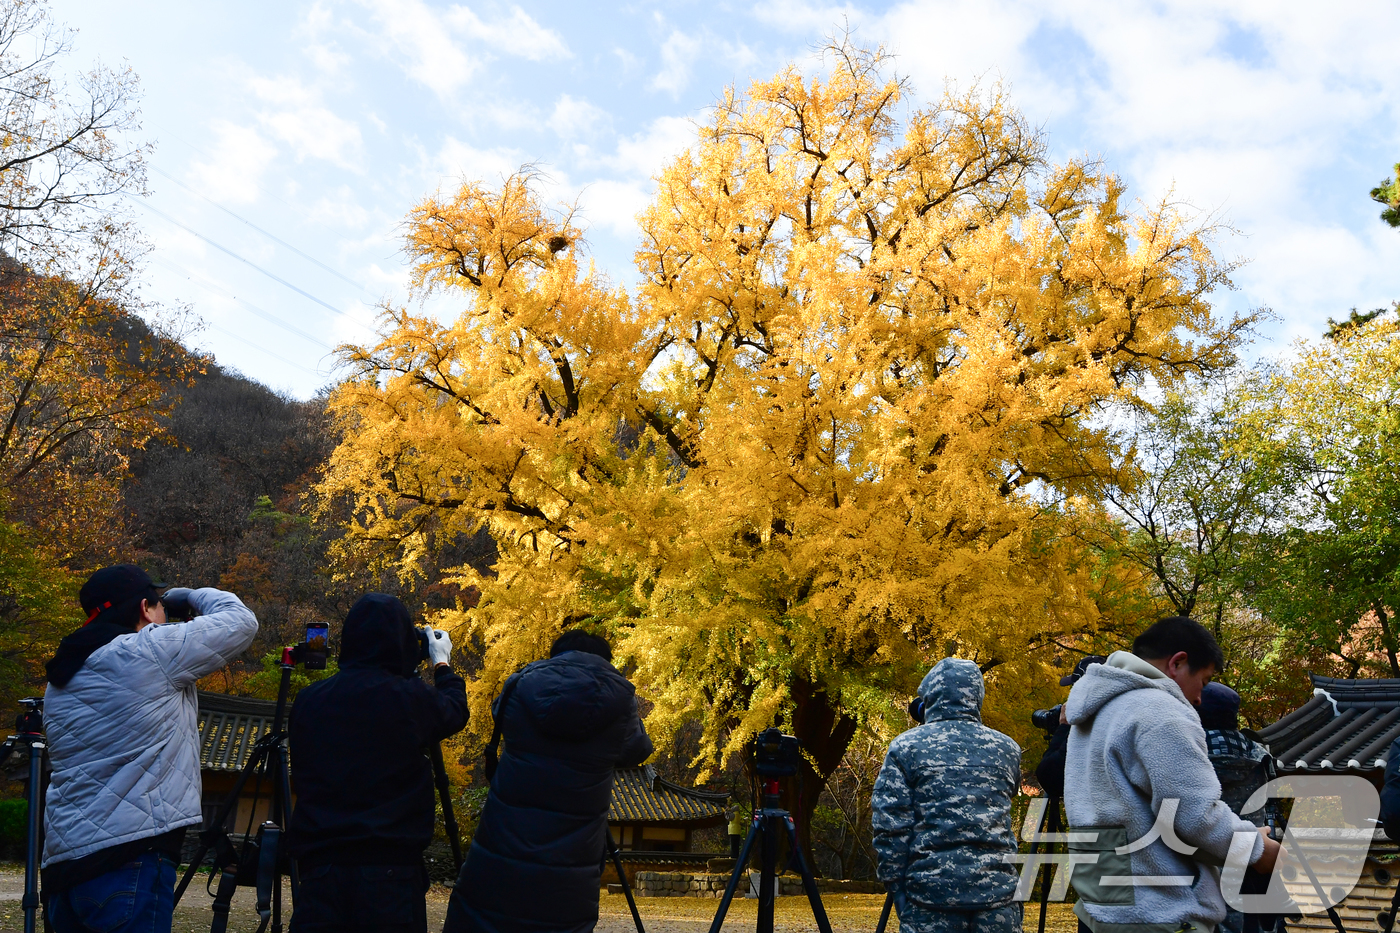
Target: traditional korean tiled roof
point(228, 727)
point(640, 796)
point(1348, 725)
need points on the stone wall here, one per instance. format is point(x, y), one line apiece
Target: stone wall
point(682, 884)
point(687, 884)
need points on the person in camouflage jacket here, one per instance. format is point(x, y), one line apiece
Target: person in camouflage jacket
point(941, 812)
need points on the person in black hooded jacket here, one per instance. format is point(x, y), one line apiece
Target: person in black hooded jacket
point(362, 779)
point(535, 861)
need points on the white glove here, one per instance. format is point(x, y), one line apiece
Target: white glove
point(439, 646)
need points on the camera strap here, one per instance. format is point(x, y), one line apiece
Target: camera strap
point(493, 747)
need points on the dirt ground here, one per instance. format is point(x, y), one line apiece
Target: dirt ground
point(849, 913)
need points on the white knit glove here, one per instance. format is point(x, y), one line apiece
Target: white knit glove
point(439, 645)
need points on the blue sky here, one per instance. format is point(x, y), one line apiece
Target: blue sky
point(323, 122)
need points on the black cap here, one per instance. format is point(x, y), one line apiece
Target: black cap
point(1220, 706)
point(113, 586)
point(1081, 669)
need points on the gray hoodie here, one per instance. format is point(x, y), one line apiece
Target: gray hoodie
point(1135, 742)
point(941, 807)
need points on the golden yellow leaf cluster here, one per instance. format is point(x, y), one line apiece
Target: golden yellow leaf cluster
point(822, 444)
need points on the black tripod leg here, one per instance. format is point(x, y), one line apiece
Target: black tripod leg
point(221, 817)
point(285, 820)
point(734, 878)
point(809, 883)
point(768, 875)
point(626, 888)
point(885, 913)
point(1388, 923)
point(30, 901)
point(1312, 877)
point(449, 818)
point(1047, 871)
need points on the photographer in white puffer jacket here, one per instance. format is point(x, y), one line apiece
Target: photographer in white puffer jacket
point(121, 718)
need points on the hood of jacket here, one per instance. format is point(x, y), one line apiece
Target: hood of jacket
point(77, 647)
point(379, 633)
point(953, 690)
point(1122, 673)
point(574, 695)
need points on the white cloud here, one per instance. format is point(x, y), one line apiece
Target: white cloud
point(439, 48)
point(573, 118)
point(647, 152)
point(232, 176)
point(678, 54)
point(797, 16)
point(325, 56)
point(627, 60)
point(298, 118)
point(614, 205)
point(1251, 109)
point(517, 34)
point(457, 160)
point(427, 50)
point(340, 210)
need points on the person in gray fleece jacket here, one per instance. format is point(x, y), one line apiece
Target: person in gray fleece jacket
point(1137, 752)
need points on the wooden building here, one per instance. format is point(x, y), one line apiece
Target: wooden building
point(1346, 728)
point(229, 726)
point(652, 820)
point(650, 814)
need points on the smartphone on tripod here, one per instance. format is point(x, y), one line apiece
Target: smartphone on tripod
point(315, 648)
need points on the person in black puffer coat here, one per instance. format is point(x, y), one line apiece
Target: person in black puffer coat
point(535, 861)
point(362, 777)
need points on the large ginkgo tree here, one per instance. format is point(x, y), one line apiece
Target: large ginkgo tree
point(825, 440)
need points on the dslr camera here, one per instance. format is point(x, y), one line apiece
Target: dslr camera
point(775, 754)
point(1047, 720)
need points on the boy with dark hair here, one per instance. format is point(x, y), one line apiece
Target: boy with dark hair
point(576, 639)
point(535, 860)
point(1137, 754)
point(121, 718)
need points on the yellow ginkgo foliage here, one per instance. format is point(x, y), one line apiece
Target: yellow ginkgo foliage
point(825, 440)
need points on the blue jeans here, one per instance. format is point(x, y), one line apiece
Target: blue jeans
point(139, 897)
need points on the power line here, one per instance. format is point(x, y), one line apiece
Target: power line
point(224, 249)
point(277, 356)
point(270, 236)
point(265, 315)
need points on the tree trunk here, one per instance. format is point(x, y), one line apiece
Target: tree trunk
point(1387, 637)
point(824, 732)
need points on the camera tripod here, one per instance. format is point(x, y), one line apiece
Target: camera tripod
point(29, 729)
point(767, 823)
point(259, 861)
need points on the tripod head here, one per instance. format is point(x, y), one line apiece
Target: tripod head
point(30, 721)
point(29, 730)
point(311, 653)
